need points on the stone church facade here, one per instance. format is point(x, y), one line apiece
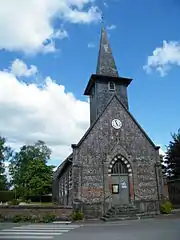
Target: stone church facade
point(115, 163)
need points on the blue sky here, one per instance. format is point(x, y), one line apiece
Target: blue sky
point(140, 27)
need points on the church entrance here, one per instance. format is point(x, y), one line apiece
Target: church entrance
point(120, 183)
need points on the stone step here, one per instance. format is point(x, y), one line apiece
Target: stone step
point(122, 215)
point(125, 212)
point(124, 205)
point(128, 215)
point(117, 210)
point(115, 218)
point(124, 209)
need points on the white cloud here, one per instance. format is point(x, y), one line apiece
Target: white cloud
point(91, 45)
point(163, 58)
point(75, 16)
point(111, 27)
point(20, 69)
point(162, 152)
point(27, 26)
point(79, 3)
point(49, 113)
point(60, 34)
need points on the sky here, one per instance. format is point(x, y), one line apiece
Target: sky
point(49, 49)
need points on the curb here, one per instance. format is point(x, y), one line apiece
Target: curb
point(62, 222)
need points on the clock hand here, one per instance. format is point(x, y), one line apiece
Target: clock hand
point(116, 122)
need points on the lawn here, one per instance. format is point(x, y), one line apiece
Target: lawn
point(42, 203)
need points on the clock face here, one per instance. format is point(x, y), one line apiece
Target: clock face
point(116, 123)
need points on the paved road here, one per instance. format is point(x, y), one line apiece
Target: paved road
point(151, 229)
point(129, 230)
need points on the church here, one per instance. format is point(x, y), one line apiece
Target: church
point(115, 163)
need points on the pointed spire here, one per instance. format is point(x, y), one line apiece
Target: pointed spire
point(106, 63)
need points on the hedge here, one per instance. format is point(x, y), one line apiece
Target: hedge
point(6, 196)
point(44, 198)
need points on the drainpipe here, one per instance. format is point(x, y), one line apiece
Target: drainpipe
point(103, 178)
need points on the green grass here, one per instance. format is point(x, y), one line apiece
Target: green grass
point(42, 203)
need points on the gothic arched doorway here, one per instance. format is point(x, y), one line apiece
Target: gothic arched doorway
point(120, 170)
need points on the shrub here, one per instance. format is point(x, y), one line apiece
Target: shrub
point(35, 219)
point(166, 207)
point(26, 218)
point(49, 218)
point(21, 218)
point(77, 215)
point(17, 218)
point(14, 202)
point(2, 218)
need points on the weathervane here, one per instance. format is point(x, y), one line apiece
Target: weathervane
point(102, 13)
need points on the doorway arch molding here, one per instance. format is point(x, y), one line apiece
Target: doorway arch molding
point(119, 157)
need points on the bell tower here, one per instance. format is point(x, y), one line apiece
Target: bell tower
point(106, 82)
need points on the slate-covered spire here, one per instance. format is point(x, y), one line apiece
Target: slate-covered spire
point(106, 64)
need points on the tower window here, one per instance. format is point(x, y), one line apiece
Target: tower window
point(111, 86)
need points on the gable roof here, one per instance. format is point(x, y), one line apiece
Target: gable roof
point(131, 116)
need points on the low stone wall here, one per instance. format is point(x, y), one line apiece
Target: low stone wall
point(150, 206)
point(9, 212)
point(174, 192)
point(92, 210)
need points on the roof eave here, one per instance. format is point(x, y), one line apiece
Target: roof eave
point(125, 81)
point(62, 166)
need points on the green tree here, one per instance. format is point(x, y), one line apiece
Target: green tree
point(5, 154)
point(29, 170)
point(172, 159)
point(163, 165)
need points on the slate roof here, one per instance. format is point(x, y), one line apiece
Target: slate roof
point(106, 64)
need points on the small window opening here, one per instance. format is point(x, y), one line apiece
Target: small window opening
point(92, 92)
point(111, 86)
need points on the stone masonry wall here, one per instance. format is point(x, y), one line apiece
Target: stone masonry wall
point(103, 95)
point(65, 187)
point(101, 145)
point(10, 211)
point(100, 95)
